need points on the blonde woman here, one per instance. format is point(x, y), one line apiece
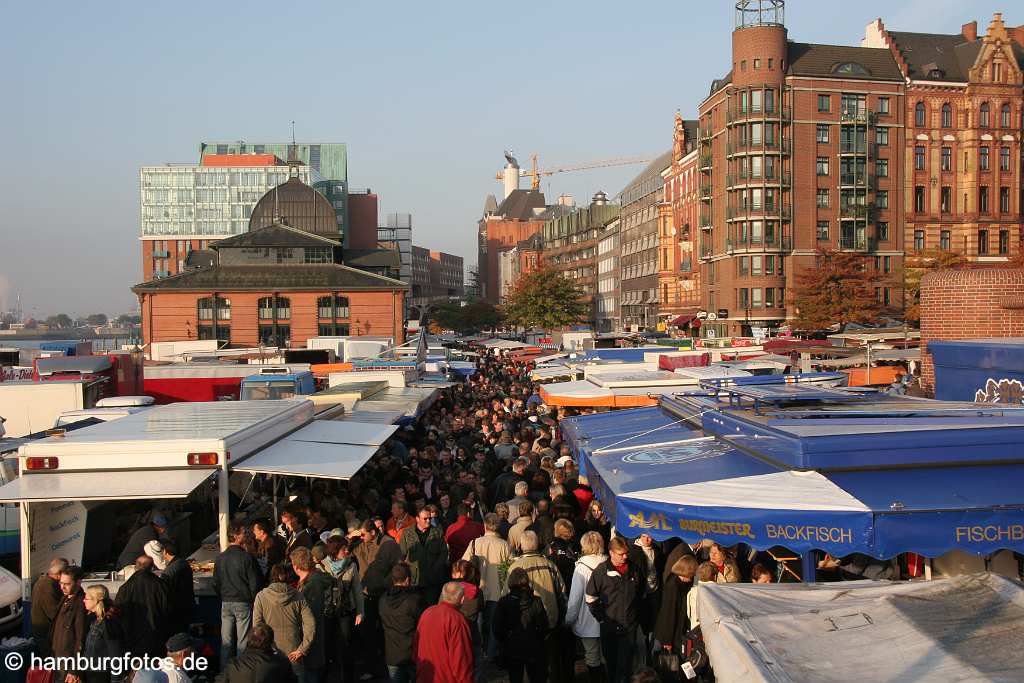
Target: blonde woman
point(105, 638)
point(578, 616)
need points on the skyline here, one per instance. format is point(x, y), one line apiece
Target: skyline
point(425, 121)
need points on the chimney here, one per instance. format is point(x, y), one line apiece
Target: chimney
point(970, 31)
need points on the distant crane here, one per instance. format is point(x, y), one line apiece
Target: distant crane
point(535, 173)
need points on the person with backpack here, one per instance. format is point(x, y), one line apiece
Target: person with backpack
point(520, 627)
point(400, 611)
point(546, 582)
point(345, 606)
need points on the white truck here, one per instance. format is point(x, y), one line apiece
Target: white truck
point(165, 453)
point(29, 407)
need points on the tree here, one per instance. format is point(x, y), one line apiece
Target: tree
point(61, 321)
point(469, 318)
point(545, 299)
point(917, 266)
point(839, 289)
point(97, 319)
point(125, 319)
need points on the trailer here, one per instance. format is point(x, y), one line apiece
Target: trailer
point(30, 406)
point(197, 382)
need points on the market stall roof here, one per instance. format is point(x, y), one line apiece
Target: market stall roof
point(326, 448)
point(956, 629)
point(107, 485)
point(583, 393)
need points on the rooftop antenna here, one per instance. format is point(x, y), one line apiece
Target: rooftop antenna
point(293, 132)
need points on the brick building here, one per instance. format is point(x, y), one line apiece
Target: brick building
point(503, 226)
point(278, 284)
point(678, 271)
point(363, 222)
point(638, 245)
point(522, 259)
point(570, 242)
point(964, 104)
point(969, 303)
point(436, 276)
point(800, 150)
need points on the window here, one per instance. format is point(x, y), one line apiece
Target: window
point(332, 330)
point(946, 199)
point(983, 199)
point(947, 116)
point(1004, 158)
point(755, 98)
point(822, 230)
point(919, 199)
point(881, 135)
point(824, 103)
point(755, 298)
point(919, 115)
point(769, 298)
point(882, 199)
point(983, 158)
point(947, 159)
point(1004, 116)
point(769, 97)
point(883, 105)
point(332, 307)
point(223, 333)
point(822, 132)
point(318, 255)
point(982, 242)
point(944, 240)
point(275, 335)
point(757, 64)
point(743, 266)
point(207, 305)
point(1004, 200)
point(984, 120)
point(266, 306)
point(769, 265)
point(887, 264)
point(919, 158)
point(1004, 242)
point(756, 265)
point(743, 298)
point(919, 240)
point(822, 197)
point(882, 231)
point(882, 168)
point(822, 166)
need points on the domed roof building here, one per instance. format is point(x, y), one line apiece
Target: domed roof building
point(298, 205)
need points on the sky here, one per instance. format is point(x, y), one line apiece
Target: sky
point(426, 95)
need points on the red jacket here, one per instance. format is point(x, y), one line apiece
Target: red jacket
point(442, 647)
point(460, 534)
point(584, 496)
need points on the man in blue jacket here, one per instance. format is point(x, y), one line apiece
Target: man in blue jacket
point(236, 579)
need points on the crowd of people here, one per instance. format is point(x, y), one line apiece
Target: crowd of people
point(469, 548)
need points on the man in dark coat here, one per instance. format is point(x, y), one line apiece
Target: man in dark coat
point(400, 611)
point(46, 601)
point(180, 588)
point(236, 579)
point(260, 662)
point(136, 544)
point(144, 604)
point(70, 626)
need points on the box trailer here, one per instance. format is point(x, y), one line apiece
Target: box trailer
point(31, 407)
point(194, 382)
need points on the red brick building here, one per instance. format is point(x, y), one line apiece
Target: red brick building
point(278, 284)
point(800, 150)
point(678, 266)
point(964, 104)
point(519, 216)
point(969, 303)
point(362, 220)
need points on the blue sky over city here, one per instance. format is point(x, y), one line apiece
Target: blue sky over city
point(426, 95)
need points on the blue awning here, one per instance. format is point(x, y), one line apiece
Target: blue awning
point(702, 487)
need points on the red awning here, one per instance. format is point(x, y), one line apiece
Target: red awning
point(684, 319)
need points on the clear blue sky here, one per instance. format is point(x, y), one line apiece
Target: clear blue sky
point(427, 95)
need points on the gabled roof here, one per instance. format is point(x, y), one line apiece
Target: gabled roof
point(271, 278)
point(519, 205)
point(950, 54)
point(278, 234)
point(820, 61)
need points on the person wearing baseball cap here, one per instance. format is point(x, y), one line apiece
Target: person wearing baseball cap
point(136, 544)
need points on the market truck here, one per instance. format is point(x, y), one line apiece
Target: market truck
point(277, 383)
point(29, 406)
point(70, 486)
point(203, 381)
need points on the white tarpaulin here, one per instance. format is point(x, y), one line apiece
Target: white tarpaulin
point(119, 485)
point(965, 628)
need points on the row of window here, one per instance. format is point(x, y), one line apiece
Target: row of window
point(757, 265)
point(946, 117)
point(946, 164)
point(881, 231)
point(271, 308)
point(850, 198)
point(272, 335)
point(945, 242)
point(757, 297)
point(946, 199)
point(851, 104)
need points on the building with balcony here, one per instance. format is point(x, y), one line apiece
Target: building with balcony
point(963, 112)
point(638, 245)
point(503, 226)
point(606, 301)
point(678, 270)
point(570, 241)
point(799, 151)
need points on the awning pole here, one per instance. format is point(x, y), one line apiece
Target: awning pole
point(223, 505)
point(927, 569)
point(273, 495)
point(808, 566)
point(26, 553)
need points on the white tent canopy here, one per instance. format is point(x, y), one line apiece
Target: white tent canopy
point(965, 628)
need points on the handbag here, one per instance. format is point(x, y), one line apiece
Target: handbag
point(39, 676)
point(667, 665)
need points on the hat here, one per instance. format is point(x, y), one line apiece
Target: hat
point(155, 551)
point(179, 642)
point(533, 418)
point(563, 461)
point(333, 532)
point(160, 521)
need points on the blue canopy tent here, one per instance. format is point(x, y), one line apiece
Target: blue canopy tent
point(769, 475)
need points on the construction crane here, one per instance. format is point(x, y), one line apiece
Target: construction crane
point(535, 173)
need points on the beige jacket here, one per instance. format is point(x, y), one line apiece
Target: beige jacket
point(545, 580)
point(515, 534)
point(490, 551)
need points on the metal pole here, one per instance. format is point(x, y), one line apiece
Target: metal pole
point(808, 567)
point(223, 505)
point(25, 527)
point(273, 494)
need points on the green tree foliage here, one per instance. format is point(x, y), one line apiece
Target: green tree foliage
point(126, 319)
point(472, 317)
point(546, 300)
point(96, 319)
point(61, 321)
point(839, 289)
point(915, 267)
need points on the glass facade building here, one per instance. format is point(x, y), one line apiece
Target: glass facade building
point(397, 235)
